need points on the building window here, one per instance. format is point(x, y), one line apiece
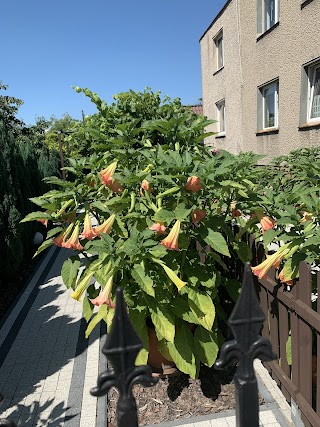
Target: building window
point(314, 94)
point(218, 54)
point(221, 116)
point(268, 15)
point(310, 93)
point(268, 101)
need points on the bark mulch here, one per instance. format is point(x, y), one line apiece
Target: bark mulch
point(180, 397)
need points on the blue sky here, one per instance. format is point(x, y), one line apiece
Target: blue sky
point(107, 46)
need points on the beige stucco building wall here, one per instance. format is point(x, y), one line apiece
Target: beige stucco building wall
point(250, 62)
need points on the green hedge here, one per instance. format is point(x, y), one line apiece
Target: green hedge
point(23, 165)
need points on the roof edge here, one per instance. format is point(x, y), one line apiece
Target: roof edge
point(216, 17)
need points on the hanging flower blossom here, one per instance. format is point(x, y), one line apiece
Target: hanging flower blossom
point(105, 295)
point(286, 280)
point(265, 221)
point(197, 215)
point(88, 232)
point(70, 217)
point(193, 184)
point(158, 227)
point(73, 241)
point(262, 269)
point(234, 211)
point(106, 226)
point(145, 185)
point(106, 174)
point(60, 240)
point(307, 216)
point(44, 221)
point(115, 186)
point(171, 241)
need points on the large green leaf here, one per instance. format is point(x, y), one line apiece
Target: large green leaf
point(206, 345)
point(87, 308)
point(44, 246)
point(102, 314)
point(34, 216)
point(215, 240)
point(202, 307)
point(145, 282)
point(182, 310)
point(163, 321)
point(164, 215)
point(69, 271)
point(182, 351)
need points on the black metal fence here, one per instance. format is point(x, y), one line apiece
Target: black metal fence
point(123, 345)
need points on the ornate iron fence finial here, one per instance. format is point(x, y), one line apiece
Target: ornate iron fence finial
point(246, 322)
point(121, 348)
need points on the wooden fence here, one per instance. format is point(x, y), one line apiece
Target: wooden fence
point(293, 326)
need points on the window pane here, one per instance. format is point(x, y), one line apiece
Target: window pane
point(270, 106)
point(220, 52)
point(315, 107)
point(221, 116)
point(269, 13)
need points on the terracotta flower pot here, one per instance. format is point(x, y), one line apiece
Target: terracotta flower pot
point(159, 364)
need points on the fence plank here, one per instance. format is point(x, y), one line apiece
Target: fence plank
point(295, 343)
point(305, 334)
point(318, 349)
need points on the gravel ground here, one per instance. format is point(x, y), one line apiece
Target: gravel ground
point(180, 397)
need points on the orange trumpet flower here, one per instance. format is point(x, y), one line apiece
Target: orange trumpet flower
point(106, 226)
point(197, 215)
point(105, 296)
point(88, 232)
point(193, 184)
point(158, 227)
point(106, 174)
point(286, 280)
point(171, 241)
point(73, 241)
point(262, 269)
point(60, 240)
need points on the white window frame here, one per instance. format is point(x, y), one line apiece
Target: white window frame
point(263, 6)
point(221, 107)
point(216, 40)
point(263, 90)
point(312, 70)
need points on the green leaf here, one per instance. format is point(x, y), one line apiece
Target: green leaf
point(163, 321)
point(269, 236)
point(102, 314)
point(164, 216)
point(289, 350)
point(182, 352)
point(158, 252)
point(142, 358)
point(233, 184)
point(54, 231)
point(206, 345)
point(34, 216)
point(181, 213)
point(87, 308)
point(202, 307)
point(215, 240)
point(233, 287)
point(44, 246)
point(182, 310)
point(144, 281)
point(243, 251)
point(69, 271)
